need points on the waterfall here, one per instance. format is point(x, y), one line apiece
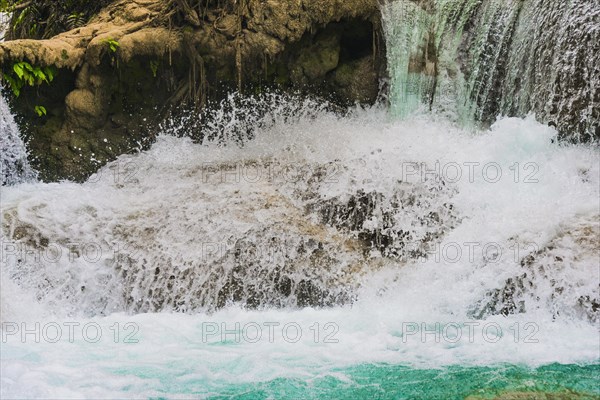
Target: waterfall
point(288, 220)
point(13, 153)
point(554, 65)
point(411, 65)
point(477, 60)
point(361, 256)
point(4, 22)
point(353, 222)
point(14, 166)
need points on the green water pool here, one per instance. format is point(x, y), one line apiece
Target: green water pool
point(551, 382)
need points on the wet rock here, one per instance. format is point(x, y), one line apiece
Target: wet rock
point(562, 276)
point(276, 242)
point(83, 108)
point(402, 224)
point(276, 268)
point(315, 61)
point(169, 57)
point(357, 80)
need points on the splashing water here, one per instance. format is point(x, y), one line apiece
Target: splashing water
point(14, 165)
point(473, 60)
point(359, 232)
point(292, 252)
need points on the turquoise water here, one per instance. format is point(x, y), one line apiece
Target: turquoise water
point(170, 211)
point(399, 382)
point(175, 209)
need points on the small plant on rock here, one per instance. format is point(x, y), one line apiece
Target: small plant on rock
point(24, 74)
point(40, 111)
point(113, 45)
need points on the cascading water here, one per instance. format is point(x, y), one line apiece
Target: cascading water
point(3, 25)
point(408, 29)
point(14, 165)
point(417, 259)
point(476, 60)
point(349, 222)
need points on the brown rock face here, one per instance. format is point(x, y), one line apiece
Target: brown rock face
point(136, 61)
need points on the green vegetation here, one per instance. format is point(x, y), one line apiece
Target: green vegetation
point(24, 74)
point(40, 111)
point(154, 67)
point(41, 19)
point(113, 45)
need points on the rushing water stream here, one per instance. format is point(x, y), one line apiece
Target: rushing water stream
point(329, 256)
point(14, 167)
point(474, 60)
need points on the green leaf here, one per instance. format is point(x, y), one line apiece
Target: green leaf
point(18, 68)
point(113, 45)
point(16, 90)
point(14, 86)
point(50, 72)
point(21, 17)
point(23, 73)
point(40, 110)
point(40, 76)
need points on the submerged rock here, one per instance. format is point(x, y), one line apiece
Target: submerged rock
point(402, 225)
point(276, 267)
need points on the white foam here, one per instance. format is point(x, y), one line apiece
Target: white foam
point(167, 193)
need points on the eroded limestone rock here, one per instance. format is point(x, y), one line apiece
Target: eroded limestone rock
point(165, 54)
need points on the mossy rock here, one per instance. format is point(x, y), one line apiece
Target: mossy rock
point(315, 61)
